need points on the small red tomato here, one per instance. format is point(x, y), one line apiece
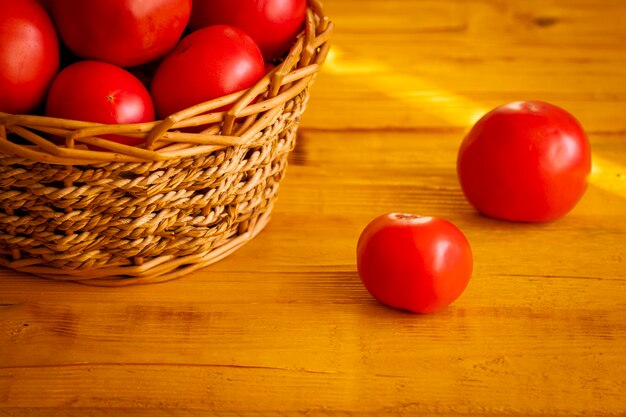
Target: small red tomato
point(94, 91)
point(525, 161)
point(420, 264)
point(273, 24)
point(122, 32)
point(209, 63)
point(29, 55)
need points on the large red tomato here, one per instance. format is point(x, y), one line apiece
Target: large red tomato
point(96, 91)
point(29, 55)
point(122, 32)
point(415, 263)
point(209, 63)
point(273, 24)
point(525, 161)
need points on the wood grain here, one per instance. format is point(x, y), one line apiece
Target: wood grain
point(284, 326)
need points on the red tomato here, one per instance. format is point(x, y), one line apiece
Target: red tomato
point(420, 264)
point(273, 24)
point(525, 161)
point(94, 91)
point(122, 32)
point(29, 55)
point(209, 63)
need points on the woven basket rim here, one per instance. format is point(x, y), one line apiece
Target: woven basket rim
point(163, 140)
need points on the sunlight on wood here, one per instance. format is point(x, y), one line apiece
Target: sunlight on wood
point(416, 91)
point(451, 107)
point(608, 175)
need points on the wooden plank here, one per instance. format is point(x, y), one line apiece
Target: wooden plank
point(351, 357)
point(391, 68)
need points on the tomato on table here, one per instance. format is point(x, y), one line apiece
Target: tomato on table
point(525, 161)
point(414, 263)
point(122, 32)
point(29, 55)
point(96, 91)
point(273, 24)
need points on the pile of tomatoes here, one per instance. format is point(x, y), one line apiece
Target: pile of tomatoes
point(132, 61)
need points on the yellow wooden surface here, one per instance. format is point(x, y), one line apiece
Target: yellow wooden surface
point(284, 325)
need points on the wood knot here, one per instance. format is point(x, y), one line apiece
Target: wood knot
point(545, 21)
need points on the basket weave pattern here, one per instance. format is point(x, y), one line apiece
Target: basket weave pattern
point(155, 213)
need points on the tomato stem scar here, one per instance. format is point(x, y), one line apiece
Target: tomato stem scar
point(404, 216)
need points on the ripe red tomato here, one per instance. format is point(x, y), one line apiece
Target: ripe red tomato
point(96, 91)
point(273, 24)
point(525, 161)
point(29, 55)
point(415, 263)
point(122, 32)
point(209, 63)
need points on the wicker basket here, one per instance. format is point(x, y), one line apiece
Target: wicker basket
point(156, 212)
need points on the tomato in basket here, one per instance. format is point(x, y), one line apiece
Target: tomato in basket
point(210, 63)
point(29, 55)
point(273, 24)
point(96, 91)
point(122, 32)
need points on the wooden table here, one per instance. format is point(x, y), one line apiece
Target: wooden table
point(284, 326)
